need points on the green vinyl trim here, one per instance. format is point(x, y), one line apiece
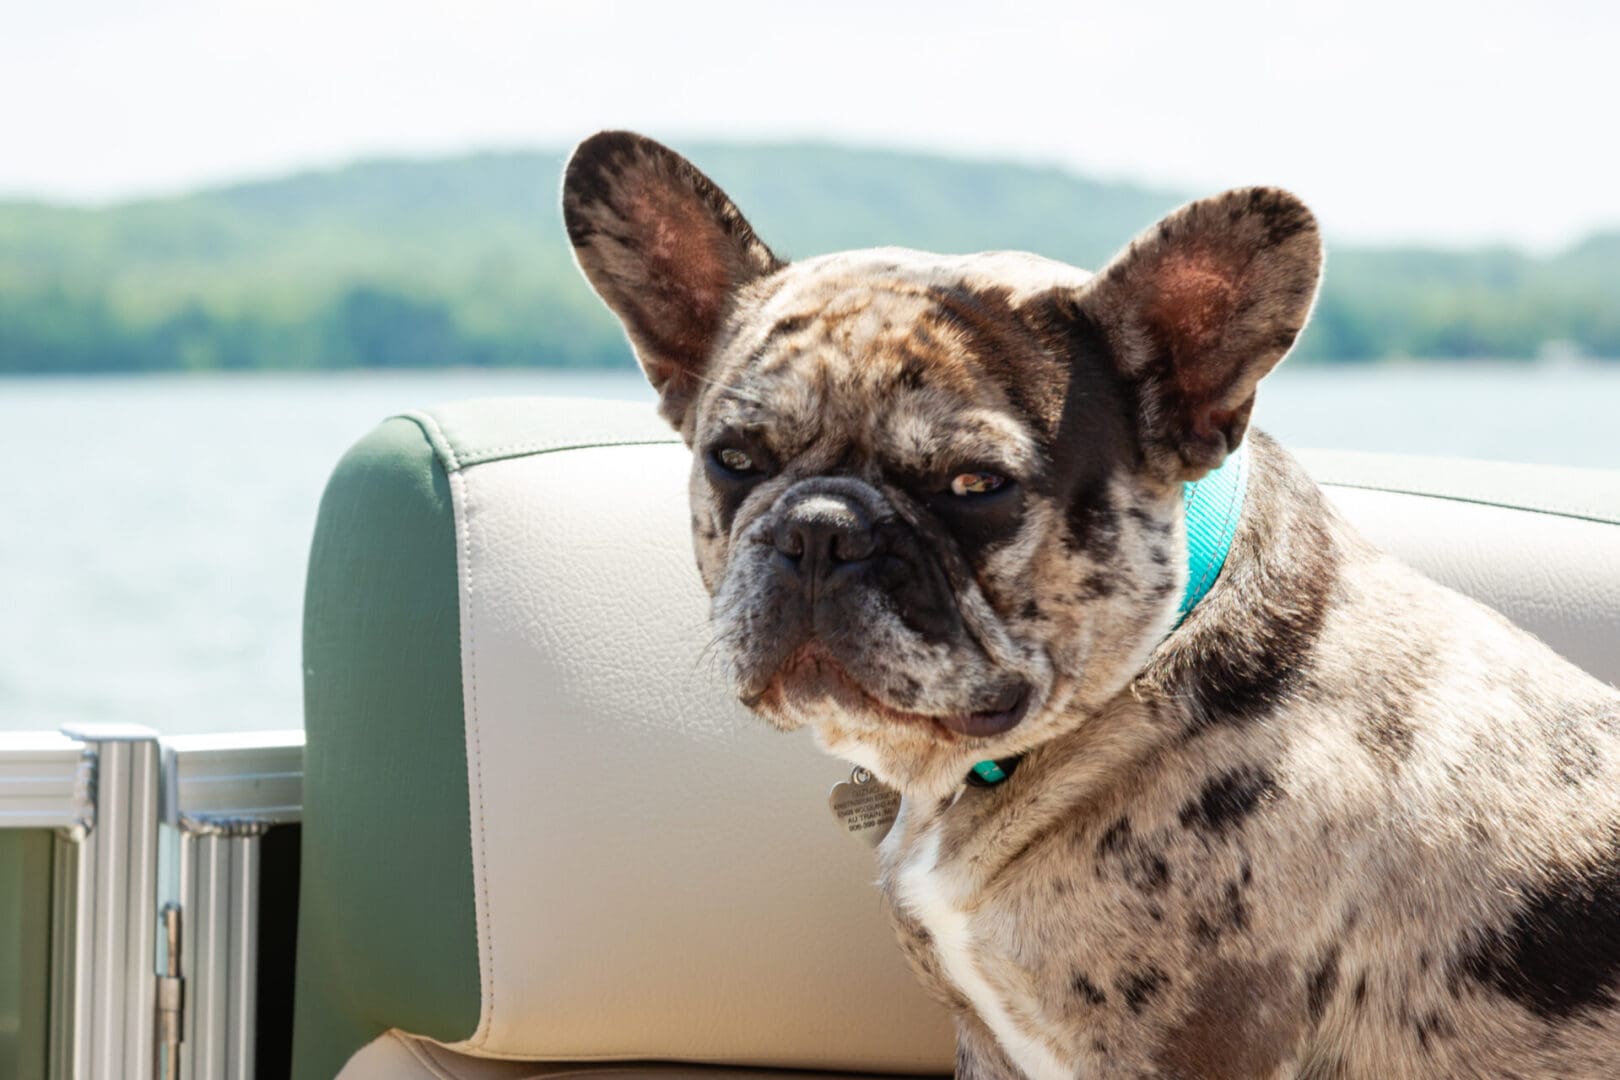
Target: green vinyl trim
point(388, 933)
point(25, 951)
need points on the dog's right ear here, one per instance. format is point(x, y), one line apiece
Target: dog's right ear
point(666, 250)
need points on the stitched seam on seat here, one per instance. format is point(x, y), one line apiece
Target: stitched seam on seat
point(412, 1048)
point(1525, 506)
point(485, 931)
point(436, 438)
point(484, 455)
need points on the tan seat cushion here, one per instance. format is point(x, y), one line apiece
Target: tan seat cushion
point(397, 1056)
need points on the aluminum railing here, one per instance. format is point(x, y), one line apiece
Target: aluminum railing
point(153, 837)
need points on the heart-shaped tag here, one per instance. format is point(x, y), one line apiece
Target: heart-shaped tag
point(864, 806)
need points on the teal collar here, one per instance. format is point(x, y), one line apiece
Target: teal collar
point(988, 773)
point(1213, 504)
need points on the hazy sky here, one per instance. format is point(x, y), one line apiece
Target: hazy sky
point(1437, 122)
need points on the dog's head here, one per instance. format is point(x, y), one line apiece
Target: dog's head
point(938, 499)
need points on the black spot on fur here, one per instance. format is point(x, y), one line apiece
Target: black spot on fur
point(1227, 799)
point(1569, 730)
point(590, 180)
point(784, 328)
point(1323, 982)
point(1155, 874)
point(1284, 217)
point(912, 374)
point(1142, 987)
point(1454, 979)
point(1142, 867)
point(1005, 346)
point(1229, 914)
point(1087, 991)
point(1097, 586)
point(1093, 526)
point(1387, 735)
point(1386, 724)
point(1090, 432)
point(1251, 678)
point(1031, 610)
point(1560, 953)
point(1284, 337)
point(1115, 837)
point(1430, 1027)
point(1360, 993)
point(1147, 521)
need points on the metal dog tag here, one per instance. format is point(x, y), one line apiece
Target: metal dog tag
point(864, 806)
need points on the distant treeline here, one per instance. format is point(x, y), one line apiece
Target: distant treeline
point(399, 264)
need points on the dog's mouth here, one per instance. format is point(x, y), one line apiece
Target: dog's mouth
point(813, 673)
point(990, 721)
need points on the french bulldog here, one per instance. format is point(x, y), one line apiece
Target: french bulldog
point(1336, 822)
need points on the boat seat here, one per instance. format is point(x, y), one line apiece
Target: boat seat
point(402, 1057)
point(540, 837)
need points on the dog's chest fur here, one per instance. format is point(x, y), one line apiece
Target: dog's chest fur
point(937, 898)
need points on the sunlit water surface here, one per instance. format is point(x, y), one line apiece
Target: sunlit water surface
point(153, 530)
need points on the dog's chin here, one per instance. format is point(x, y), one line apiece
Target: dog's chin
point(813, 682)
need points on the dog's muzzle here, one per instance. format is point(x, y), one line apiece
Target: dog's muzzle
point(838, 543)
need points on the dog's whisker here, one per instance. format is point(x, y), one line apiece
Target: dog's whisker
point(735, 391)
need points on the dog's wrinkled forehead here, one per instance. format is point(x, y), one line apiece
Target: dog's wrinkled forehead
point(923, 356)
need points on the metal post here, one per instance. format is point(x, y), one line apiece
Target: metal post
point(116, 795)
point(112, 992)
point(219, 886)
point(64, 952)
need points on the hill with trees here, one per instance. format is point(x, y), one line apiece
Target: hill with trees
point(400, 263)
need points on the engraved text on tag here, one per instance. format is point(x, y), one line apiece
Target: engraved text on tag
point(864, 806)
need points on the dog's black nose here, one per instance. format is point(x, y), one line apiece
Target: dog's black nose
point(840, 546)
point(822, 530)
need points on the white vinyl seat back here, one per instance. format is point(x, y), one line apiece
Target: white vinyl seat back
point(649, 873)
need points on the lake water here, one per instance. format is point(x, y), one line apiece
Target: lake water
point(153, 530)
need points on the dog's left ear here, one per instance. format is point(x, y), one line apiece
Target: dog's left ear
point(665, 249)
point(1198, 309)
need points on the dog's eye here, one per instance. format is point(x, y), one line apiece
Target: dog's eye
point(968, 484)
point(734, 460)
